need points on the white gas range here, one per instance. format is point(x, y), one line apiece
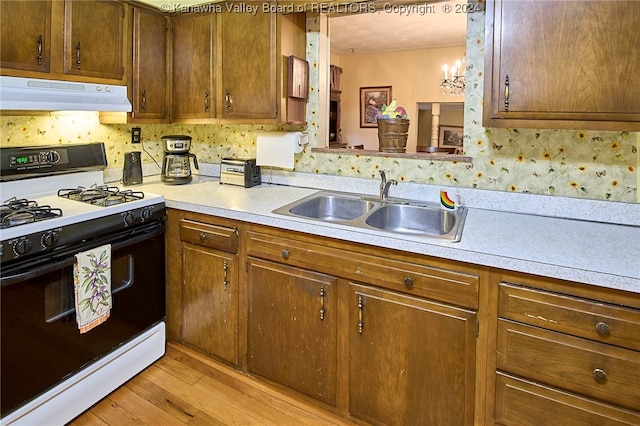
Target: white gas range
point(54, 206)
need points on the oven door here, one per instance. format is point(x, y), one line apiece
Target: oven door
point(40, 341)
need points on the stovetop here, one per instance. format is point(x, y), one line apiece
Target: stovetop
point(68, 179)
point(100, 200)
point(21, 211)
point(101, 195)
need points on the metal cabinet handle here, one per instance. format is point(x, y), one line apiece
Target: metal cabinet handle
point(322, 295)
point(206, 100)
point(227, 102)
point(143, 101)
point(225, 267)
point(229, 105)
point(285, 254)
point(203, 236)
point(599, 375)
point(78, 56)
point(40, 49)
point(506, 92)
point(603, 329)
point(360, 314)
point(408, 282)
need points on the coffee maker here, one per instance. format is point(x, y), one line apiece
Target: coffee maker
point(176, 167)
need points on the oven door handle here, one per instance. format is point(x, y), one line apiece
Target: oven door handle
point(69, 261)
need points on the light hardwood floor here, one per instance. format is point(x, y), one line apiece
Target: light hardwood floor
point(185, 387)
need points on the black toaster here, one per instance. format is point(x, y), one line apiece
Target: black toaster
point(240, 172)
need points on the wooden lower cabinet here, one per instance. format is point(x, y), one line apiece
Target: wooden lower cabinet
point(385, 337)
point(565, 351)
point(407, 353)
point(526, 403)
point(210, 301)
point(372, 334)
point(411, 361)
point(605, 372)
point(292, 328)
point(203, 285)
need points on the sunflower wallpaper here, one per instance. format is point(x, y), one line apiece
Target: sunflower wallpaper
point(570, 163)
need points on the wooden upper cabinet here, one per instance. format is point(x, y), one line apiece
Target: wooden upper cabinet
point(94, 39)
point(227, 64)
point(150, 100)
point(559, 64)
point(248, 51)
point(25, 35)
point(193, 83)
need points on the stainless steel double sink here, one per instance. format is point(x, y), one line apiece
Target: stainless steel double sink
point(393, 215)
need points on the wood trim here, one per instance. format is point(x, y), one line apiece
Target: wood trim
point(601, 294)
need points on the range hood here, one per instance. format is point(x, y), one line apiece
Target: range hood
point(32, 94)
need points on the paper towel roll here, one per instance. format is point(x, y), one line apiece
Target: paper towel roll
point(278, 149)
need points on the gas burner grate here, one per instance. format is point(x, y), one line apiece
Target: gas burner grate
point(20, 211)
point(101, 195)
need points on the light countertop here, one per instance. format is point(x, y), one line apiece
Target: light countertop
point(575, 248)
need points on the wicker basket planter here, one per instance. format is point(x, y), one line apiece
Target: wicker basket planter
point(392, 134)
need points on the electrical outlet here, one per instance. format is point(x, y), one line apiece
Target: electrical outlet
point(136, 134)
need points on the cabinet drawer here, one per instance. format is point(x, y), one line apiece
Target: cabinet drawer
point(212, 236)
point(606, 323)
point(521, 402)
point(594, 369)
point(458, 288)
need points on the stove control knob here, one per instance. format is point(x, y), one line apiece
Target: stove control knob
point(22, 246)
point(53, 157)
point(146, 213)
point(128, 218)
point(49, 239)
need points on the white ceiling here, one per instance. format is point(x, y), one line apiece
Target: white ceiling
point(387, 31)
point(391, 29)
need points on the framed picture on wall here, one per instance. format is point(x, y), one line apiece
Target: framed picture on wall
point(371, 101)
point(450, 136)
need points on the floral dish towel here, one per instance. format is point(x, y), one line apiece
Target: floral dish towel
point(92, 281)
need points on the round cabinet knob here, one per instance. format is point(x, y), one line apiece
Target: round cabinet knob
point(408, 282)
point(599, 375)
point(285, 254)
point(603, 328)
point(203, 236)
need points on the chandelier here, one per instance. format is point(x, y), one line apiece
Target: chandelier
point(454, 84)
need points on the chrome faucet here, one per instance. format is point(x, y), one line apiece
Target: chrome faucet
point(384, 185)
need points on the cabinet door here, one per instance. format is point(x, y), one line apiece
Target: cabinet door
point(249, 65)
point(210, 301)
point(527, 403)
point(292, 328)
point(149, 65)
point(411, 361)
point(559, 60)
point(193, 83)
point(25, 37)
point(94, 38)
